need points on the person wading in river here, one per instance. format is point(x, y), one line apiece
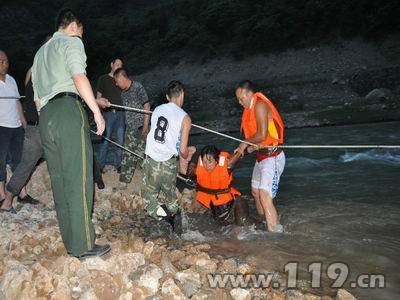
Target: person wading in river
point(262, 125)
point(214, 191)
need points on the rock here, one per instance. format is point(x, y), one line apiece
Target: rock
point(176, 255)
point(88, 295)
point(150, 278)
point(190, 281)
point(293, 97)
point(28, 292)
point(43, 280)
point(126, 296)
point(378, 94)
point(126, 263)
point(240, 294)
point(191, 260)
point(294, 295)
point(167, 266)
point(13, 279)
point(171, 291)
point(206, 266)
point(37, 250)
point(342, 294)
point(62, 289)
point(97, 263)
point(140, 293)
point(104, 285)
point(200, 296)
point(311, 297)
point(137, 244)
point(230, 266)
point(245, 269)
point(148, 249)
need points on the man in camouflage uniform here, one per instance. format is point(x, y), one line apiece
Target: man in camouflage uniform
point(137, 124)
point(166, 141)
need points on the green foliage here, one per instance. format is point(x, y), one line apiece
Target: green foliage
point(148, 33)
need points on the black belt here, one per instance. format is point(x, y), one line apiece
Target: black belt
point(213, 191)
point(66, 94)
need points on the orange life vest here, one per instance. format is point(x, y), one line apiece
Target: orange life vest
point(217, 183)
point(275, 123)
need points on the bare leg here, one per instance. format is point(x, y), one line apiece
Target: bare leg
point(271, 216)
point(256, 194)
point(2, 191)
point(23, 192)
point(8, 201)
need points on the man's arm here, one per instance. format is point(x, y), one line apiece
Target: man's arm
point(146, 121)
point(21, 114)
point(28, 76)
point(262, 112)
point(185, 129)
point(233, 159)
point(85, 90)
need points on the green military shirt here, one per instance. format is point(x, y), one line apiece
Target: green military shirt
point(54, 65)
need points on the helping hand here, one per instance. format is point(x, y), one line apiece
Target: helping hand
point(103, 102)
point(240, 149)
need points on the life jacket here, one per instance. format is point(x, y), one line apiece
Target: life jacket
point(275, 123)
point(215, 186)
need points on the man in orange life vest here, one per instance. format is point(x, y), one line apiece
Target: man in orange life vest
point(262, 125)
point(214, 190)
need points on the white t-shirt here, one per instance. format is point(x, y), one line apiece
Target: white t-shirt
point(8, 107)
point(164, 139)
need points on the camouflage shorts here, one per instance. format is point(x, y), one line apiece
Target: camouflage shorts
point(156, 177)
point(135, 142)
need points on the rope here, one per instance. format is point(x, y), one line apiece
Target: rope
point(278, 146)
point(13, 97)
point(194, 125)
point(186, 180)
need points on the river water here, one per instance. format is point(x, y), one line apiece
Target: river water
point(336, 206)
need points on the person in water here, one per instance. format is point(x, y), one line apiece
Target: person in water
point(262, 125)
point(214, 191)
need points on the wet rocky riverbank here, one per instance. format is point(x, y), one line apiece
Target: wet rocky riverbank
point(35, 264)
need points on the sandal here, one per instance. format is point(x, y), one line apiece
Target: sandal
point(10, 210)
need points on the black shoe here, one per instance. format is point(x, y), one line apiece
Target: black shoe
point(97, 250)
point(174, 220)
point(100, 184)
point(28, 199)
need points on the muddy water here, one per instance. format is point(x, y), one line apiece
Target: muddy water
point(336, 206)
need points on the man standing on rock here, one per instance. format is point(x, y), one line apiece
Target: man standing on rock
point(115, 119)
point(262, 125)
point(32, 151)
point(59, 81)
point(137, 124)
point(166, 141)
point(12, 123)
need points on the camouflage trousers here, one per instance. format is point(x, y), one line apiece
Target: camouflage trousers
point(135, 142)
point(156, 177)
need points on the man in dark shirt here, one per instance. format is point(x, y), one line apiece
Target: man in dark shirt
point(115, 119)
point(137, 124)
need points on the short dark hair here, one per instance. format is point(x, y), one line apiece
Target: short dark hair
point(210, 150)
point(175, 88)
point(121, 72)
point(246, 85)
point(65, 17)
point(114, 58)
